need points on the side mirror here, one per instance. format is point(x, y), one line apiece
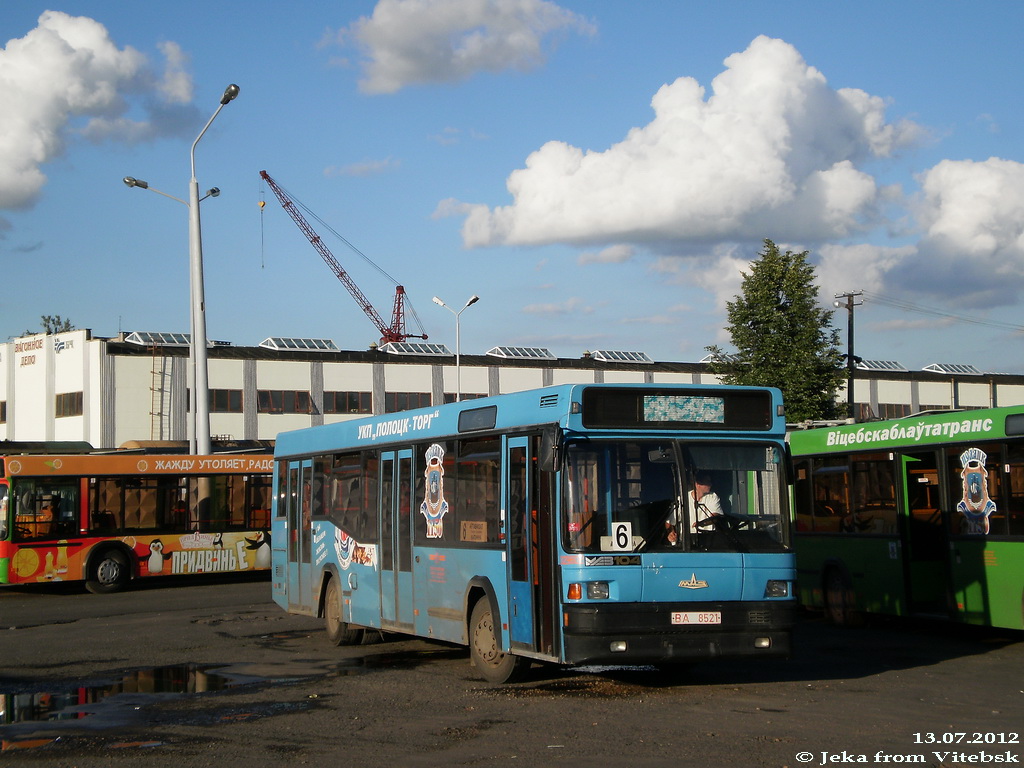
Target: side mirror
point(551, 442)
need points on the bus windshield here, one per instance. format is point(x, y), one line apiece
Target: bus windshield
point(630, 496)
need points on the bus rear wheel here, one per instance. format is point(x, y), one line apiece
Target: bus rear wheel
point(339, 632)
point(108, 573)
point(492, 664)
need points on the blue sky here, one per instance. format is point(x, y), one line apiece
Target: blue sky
point(599, 172)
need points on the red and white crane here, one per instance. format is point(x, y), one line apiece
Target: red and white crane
point(388, 333)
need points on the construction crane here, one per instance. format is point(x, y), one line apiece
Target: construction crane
point(388, 333)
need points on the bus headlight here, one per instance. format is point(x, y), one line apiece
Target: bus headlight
point(776, 588)
point(598, 590)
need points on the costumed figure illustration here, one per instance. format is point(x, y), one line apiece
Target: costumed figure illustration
point(157, 557)
point(260, 544)
point(434, 505)
point(975, 506)
point(350, 551)
point(343, 546)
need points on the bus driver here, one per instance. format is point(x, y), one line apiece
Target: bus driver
point(703, 504)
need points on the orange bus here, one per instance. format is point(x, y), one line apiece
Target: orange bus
point(108, 518)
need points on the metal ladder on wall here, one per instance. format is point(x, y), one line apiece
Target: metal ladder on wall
point(160, 397)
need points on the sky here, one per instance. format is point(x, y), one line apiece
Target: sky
point(600, 173)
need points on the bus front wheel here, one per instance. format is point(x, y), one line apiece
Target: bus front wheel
point(108, 573)
point(492, 664)
point(339, 632)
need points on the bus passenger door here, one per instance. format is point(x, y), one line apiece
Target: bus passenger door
point(396, 608)
point(300, 533)
point(927, 561)
point(522, 532)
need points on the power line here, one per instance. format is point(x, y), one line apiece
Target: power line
point(908, 306)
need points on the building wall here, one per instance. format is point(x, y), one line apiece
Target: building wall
point(568, 376)
point(930, 393)
point(348, 377)
point(625, 377)
point(519, 379)
point(32, 408)
point(682, 378)
point(974, 394)
point(132, 400)
point(143, 396)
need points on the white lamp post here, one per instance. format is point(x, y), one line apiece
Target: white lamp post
point(458, 340)
point(190, 376)
point(199, 425)
point(201, 393)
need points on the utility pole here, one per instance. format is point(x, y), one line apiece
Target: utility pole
point(851, 358)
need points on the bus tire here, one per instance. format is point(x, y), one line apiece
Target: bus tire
point(492, 664)
point(108, 572)
point(339, 632)
point(839, 599)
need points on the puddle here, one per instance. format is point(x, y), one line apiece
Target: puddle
point(63, 713)
point(78, 702)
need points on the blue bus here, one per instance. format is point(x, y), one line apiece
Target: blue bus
point(575, 524)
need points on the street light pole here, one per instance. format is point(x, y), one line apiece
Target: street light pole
point(190, 374)
point(851, 358)
point(458, 340)
point(200, 392)
point(198, 371)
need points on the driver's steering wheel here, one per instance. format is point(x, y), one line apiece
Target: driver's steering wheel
point(723, 522)
point(709, 522)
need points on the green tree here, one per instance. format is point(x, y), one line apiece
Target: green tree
point(783, 336)
point(53, 324)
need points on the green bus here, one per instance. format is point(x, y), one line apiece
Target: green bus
point(920, 516)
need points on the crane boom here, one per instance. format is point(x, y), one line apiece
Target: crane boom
point(395, 331)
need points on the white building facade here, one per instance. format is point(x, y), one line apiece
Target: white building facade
point(108, 392)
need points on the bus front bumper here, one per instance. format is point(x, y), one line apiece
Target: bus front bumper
point(641, 633)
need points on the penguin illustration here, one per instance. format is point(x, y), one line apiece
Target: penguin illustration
point(157, 557)
point(218, 541)
point(261, 546)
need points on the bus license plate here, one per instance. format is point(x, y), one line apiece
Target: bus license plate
point(696, 617)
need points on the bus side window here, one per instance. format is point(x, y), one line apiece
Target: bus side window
point(45, 510)
point(105, 509)
point(3, 512)
point(478, 486)
point(140, 505)
point(1015, 491)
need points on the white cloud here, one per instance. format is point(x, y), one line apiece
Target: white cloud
point(68, 69)
point(176, 83)
point(844, 268)
point(571, 306)
point(614, 254)
point(971, 216)
point(774, 150)
point(409, 42)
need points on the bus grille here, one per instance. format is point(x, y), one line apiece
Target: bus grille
point(549, 401)
point(759, 617)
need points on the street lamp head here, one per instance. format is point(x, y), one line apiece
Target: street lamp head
point(214, 192)
point(230, 93)
point(472, 300)
point(135, 182)
point(438, 301)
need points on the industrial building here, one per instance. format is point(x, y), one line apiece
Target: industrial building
point(111, 391)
